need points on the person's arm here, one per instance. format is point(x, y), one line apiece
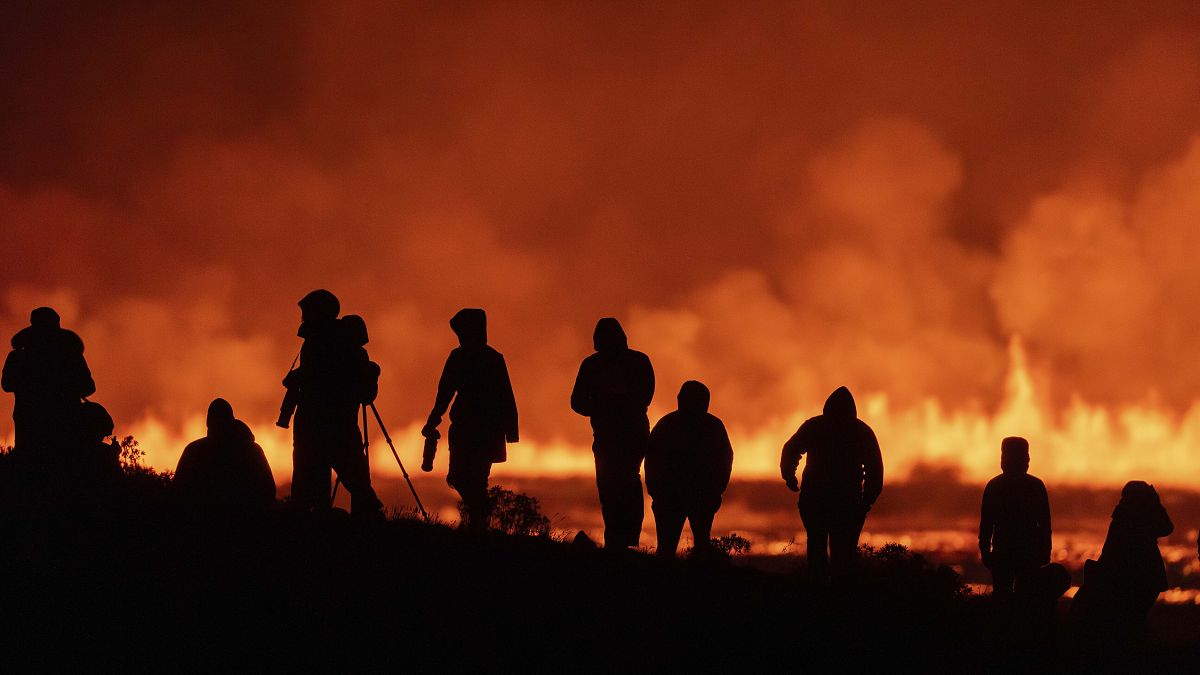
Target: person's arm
point(86, 385)
point(581, 393)
point(643, 392)
point(185, 470)
point(1046, 544)
point(1162, 523)
point(263, 478)
point(447, 387)
point(872, 469)
point(987, 524)
point(654, 457)
point(726, 458)
point(10, 380)
point(789, 459)
point(508, 403)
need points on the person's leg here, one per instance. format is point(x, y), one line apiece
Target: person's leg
point(816, 529)
point(1003, 582)
point(352, 468)
point(469, 473)
point(701, 520)
point(845, 528)
point(668, 525)
point(310, 469)
point(619, 483)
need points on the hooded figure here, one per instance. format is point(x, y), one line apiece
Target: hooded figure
point(688, 463)
point(843, 477)
point(226, 471)
point(48, 375)
point(1119, 589)
point(98, 462)
point(332, 379)
point(482, 419)
point(614, 388)
point(1014, 523)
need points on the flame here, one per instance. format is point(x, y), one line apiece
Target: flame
point(1083, 443)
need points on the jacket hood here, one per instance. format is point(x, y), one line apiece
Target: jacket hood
point(841, 404)
point(693, 397)
point(96, 421)
point(609, 336)
point(220, 415)
point(470, 325)
point(320, 305)
point(222, 423)
point(355, 329)
point(45, 317)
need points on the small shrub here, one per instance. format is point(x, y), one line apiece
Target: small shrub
point(731, 544)
point(132, 455)
point(514, 513)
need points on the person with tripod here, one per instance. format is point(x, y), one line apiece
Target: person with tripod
point(482, 419)
point(333, 378)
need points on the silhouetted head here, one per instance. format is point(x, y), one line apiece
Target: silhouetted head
point(97, 423)
point(1014, 455)
point(470, 325)
point(609, 336)
point(355, 329)
point(44, 318)
point(320, 305)
point(693, 397)
point(840, 404)
point(1138, 494)
point(220, 417)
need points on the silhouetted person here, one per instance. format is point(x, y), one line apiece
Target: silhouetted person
point(225, 472)
point(482, 419)
point(1122, 586)
point(688, 462)
point(843, 477)
point(1014, 523)
point(96, 462)
point(48, 375)
point(331, 382)
point(614, 388)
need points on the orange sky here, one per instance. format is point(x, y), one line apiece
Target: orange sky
point(775, 199)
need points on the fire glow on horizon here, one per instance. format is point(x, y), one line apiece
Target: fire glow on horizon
point(1081, 444)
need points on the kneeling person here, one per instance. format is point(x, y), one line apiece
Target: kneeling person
point(226, 471)
point(688, 463)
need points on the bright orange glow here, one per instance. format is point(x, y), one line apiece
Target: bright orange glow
point(1083, 443)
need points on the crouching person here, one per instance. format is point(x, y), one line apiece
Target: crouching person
point(688, 463)
point(225, 472)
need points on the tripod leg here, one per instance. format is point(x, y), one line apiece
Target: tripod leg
point(387, 437)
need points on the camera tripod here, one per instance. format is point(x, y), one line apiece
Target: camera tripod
point(367, 450)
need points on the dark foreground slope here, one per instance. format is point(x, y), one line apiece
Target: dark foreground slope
point(131, 580)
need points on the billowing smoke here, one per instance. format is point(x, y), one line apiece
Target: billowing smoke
point(776, 200)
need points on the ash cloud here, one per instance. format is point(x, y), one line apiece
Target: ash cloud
point(777, 199)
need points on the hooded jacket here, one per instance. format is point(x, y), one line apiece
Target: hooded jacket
point(226, 469)
point(47, 363)
point(475, 378)
point(1130, 557)
point(844, 462)
point(615, 385)
point(689, 457)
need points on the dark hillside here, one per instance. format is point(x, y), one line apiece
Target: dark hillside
point(134, 581)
